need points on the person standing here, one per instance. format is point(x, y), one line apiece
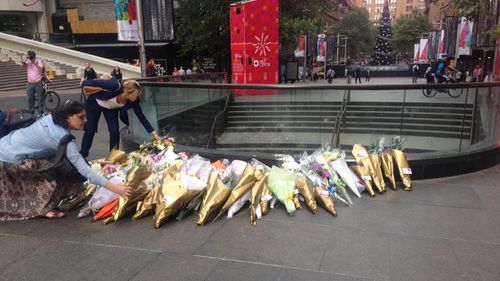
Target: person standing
point(368, 77)
point(357, 74)
point(89, 72)
point(330, 74)
point(476, 74)
point(415, 70)
point(151, 68)
point(117, 73)
point(34, 89)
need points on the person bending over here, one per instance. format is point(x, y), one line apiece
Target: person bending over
point(111, 97)
point(27, 189)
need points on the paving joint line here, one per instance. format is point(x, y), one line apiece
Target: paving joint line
point(281, 266)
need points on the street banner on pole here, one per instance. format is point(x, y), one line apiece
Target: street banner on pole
point(416, 54)
point(441, 49)
point(464, 35)
point(422, 56)
point(321, 48)
point(299, 52)
point(126, 20)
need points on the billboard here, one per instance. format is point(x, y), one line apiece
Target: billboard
point(422, 56)
point(321, 48)
point(301, 44)
point(158, 20)
point(126, 20)
point(254, 42)
point(464, 34)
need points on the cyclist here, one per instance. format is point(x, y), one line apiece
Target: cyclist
point(442, 67)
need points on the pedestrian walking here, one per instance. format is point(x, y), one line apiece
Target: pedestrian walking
point(357, 74)
point(415, 70)
point(367, 73)
point(34, 89)
point(330, 74)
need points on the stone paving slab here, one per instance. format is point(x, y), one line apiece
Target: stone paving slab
point(431, 233)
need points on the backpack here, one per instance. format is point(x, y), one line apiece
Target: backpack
point(62, 170)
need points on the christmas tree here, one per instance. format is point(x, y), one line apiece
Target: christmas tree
point(382, 51)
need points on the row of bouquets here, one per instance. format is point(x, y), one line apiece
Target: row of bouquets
point(171, 185)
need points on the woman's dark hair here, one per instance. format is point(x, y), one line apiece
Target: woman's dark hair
point(61, 114)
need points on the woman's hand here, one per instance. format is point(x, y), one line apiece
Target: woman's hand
point(122, 190)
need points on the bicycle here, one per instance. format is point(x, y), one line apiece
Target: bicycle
point(453, 77)
point(51, 98)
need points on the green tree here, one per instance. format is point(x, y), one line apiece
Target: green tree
point(407, 31)
point(202, 28)
point(302, 17)
point(359, 30)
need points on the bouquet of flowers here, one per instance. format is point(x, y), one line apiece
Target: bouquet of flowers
point(146, 206)
point(401, 161)
point(316, 177)
point(333, 183)
point(303, 186)
point(261, 174)
point(282, 184)
point(363, 158)
point(220, 185)
point(338, 163)
point(387, 161)
point(242, 191)
point(139, 169)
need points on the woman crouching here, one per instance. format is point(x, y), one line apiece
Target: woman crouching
point(27, 188)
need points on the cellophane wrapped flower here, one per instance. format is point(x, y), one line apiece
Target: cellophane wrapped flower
point(397, 145)
point(282, 184)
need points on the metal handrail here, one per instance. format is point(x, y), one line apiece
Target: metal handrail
point(146, 82)
point(340, 119)
point(211, 135)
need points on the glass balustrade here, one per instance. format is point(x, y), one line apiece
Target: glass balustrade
point(434, 122)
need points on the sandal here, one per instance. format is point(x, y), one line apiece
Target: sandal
point(54, 215)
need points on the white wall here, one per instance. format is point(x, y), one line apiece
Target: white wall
point(17, 5)
point(66, 56)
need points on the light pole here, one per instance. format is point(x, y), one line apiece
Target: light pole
point(140, 29)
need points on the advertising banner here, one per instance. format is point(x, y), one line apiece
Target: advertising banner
point(321, 48)
point(423, 47)
point(441, 49)
point(464, 34)
point(126, 20)
point(301, 43)
point(450, 29)
point(433, 44)
point(416, 54)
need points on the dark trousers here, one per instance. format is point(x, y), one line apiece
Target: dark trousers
point(93, 111)
point(35, 91)
point(357, 78)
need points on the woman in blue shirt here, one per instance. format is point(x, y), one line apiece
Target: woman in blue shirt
point(27, 192)
point(112, 99)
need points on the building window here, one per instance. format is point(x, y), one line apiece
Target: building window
point(409, 1)
point(409, 8)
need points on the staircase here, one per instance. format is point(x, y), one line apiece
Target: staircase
point(14, 76)
point(292, 127)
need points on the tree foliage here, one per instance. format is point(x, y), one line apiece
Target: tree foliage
point(202, 27)
point(407, 31)
point(359, 30)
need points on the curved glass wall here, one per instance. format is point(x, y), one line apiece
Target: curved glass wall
point(434, 120)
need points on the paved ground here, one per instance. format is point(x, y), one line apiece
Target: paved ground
point(445, 229)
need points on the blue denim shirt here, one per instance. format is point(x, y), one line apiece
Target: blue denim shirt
point(40, 140)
